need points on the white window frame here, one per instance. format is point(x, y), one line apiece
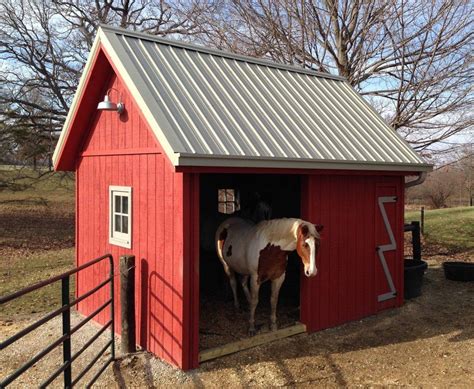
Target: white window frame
point(115, 237)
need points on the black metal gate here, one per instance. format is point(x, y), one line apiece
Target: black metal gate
point(67, 331)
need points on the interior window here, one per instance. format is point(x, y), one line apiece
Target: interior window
point(228, 201)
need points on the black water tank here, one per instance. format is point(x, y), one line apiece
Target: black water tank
point(414, 271)
point(459, 271)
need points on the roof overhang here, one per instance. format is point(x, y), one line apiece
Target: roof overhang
point(287, 163)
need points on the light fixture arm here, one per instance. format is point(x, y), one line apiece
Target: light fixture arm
point(120, 104)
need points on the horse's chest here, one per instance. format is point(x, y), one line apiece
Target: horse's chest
point(272, 263)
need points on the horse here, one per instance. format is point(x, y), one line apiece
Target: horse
point(257, 209)
point(259, 252)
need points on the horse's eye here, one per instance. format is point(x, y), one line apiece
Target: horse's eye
point(306, 245)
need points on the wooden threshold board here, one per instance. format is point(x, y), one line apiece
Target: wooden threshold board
point(254, 341)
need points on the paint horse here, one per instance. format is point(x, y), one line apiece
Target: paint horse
point(259, 252)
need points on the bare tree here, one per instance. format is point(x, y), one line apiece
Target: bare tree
point(465, 164)
point(44, 45)
point(158, 17)
point(440, 186)
point(412, 60)
point(36, 79)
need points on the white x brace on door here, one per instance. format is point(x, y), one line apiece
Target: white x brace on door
point(387, 247)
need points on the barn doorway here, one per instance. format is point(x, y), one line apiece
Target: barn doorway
point(223, 196)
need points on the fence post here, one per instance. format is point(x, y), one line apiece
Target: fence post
point(415, 234)
point(112, 305)
point(66, 315)
point(127, 303)
point(423, 220)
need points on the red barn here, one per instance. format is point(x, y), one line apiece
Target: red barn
point(200, 131)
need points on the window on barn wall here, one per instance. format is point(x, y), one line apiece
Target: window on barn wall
point(228, 201)
point(120, 216)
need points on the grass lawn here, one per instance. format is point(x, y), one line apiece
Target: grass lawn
point(449, 227)
point(31, 268)
point(36, 237)
point(36, 187)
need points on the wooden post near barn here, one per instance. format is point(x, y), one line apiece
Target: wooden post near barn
point(127, 303)
point(422, 219)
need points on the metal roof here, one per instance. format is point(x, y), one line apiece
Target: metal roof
point(209, 107)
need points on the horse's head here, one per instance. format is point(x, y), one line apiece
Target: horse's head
point(307, 246)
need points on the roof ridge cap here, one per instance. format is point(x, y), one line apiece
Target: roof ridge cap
point(217, 52)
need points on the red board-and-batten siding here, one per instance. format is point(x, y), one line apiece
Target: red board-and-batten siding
point(165, 235)
point(123, 151)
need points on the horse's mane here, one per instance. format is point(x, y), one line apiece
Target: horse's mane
point(276, 229)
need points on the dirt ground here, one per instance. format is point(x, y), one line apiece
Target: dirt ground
point(427, 342)
point(26, 348)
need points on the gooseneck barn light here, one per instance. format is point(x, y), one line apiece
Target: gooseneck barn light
point(108, 105)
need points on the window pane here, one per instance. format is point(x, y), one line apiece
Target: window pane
point(125, 205)
point(125, 224)
point(230, 195)
point(221, 208)
point(221, 195)
point(118, 224)
point(230, 208)
point(118, 208)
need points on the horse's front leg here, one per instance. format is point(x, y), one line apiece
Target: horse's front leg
point(276, 285)
point(254, 289)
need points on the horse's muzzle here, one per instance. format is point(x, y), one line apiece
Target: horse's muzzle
point(307, 273)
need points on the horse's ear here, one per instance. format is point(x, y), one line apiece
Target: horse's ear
point(319, 227)
point(303, 230)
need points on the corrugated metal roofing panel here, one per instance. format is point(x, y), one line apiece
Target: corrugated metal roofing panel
point(217, 106)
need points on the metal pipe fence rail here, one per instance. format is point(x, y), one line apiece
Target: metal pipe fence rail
point(67, 330)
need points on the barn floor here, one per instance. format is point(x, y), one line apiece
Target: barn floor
point(427, 342)
point(221, 324)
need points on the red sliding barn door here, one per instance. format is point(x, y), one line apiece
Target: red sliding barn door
point(351, 276)
point(343, 290)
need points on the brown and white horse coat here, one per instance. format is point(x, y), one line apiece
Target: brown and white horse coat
point(259, 252)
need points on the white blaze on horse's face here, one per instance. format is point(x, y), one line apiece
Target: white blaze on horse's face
point(311, 270)
point(307, 246)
